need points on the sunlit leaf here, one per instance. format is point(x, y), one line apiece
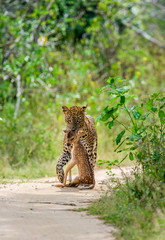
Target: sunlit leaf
point(122, 99)
point(134, 137)
point(154, 109)
point(131, 156)
point(161, 115)
point(145, 115)
point(124, 158)
point(110, 125)
point(136, 114)
point(149, 104)
point(119, 137)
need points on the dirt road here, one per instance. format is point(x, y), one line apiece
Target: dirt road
point(37, 210)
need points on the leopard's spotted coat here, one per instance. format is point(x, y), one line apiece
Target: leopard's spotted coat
point(76, 119)
point(85, 178)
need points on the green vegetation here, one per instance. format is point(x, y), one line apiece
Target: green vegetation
point(134, 219)
point(137, 206)
point(142, 126)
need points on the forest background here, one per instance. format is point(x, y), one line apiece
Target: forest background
point(55, 53)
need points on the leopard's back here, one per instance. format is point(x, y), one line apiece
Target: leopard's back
point(89, 139)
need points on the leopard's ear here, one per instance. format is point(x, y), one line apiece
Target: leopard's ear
point(65, 131)
point(65, 109)
point(84, 108)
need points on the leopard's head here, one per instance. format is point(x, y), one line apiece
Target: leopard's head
point(74, 117)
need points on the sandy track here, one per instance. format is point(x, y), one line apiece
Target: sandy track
point(37, 210)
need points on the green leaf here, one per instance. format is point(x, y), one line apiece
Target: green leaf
point(122, 99)
point(134, 137)
point(133, 107)
point(109, 80)
point(122, 150)
point(136, 114)
point(101, 162)
point(119, 137)
point(155, 95)
point(106, 109)
point(120, 90)
point(161, 115)
point(134, 128)
point(110, 125)
point(145, 116)
point(160, 99)
point(121, 143)
point(105, 117)
point(107, 123)
point(106, 114)
point(99, 117)
point(149, 104)
point(113, 99)
point(101, 89)
point(154, 109)
point(112, 81)
point(133, 148)
point(123, 158)
point(162, 106)
point(131, 156)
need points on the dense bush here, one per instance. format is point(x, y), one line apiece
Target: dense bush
point(142, 124)
point(143, 129)
point(137, 203)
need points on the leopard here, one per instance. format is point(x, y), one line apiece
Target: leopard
point(85, 178)
point(76, 119)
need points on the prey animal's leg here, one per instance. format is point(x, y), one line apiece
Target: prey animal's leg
point(69, 167)
point(70, 176)
point(75, 182)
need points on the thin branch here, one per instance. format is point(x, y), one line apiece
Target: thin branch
point(18, 81)
point(144, 35)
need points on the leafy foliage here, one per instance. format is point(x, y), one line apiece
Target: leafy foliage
point(144, 127)
point(60, 52)
point(132, 206)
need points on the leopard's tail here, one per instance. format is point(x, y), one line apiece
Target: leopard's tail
point(60, 172)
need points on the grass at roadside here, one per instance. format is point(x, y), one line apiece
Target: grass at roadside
point(28, 171)
point(135, 220)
